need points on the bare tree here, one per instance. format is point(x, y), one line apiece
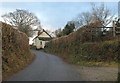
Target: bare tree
point(101, 14)
point(84, 18)
point(98, 16)
point(23, 20)
point(98, 13)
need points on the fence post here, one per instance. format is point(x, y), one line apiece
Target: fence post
point(114, 34)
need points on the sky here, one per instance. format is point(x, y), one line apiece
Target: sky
point(54, 15)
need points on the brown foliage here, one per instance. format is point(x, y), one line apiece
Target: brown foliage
point(78, 46)
point(15, 50)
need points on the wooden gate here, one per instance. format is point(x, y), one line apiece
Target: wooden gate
point(116, 28)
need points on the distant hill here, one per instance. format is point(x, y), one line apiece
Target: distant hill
point(15, 50)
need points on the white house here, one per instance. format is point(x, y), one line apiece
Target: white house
point(41, 39)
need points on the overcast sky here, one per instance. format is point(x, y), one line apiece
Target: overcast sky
point(54, 15)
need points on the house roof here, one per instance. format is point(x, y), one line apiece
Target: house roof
point(43, 37)
point(46, 33)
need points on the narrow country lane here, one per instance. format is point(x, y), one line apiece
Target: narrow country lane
point(47, 67)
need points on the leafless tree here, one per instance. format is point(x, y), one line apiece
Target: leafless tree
point(98, 13)
point(84, 18)
point(97, 16)
point(101, 14)
point(23, 20)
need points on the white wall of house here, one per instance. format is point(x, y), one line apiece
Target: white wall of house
point(40, 43)
point(43, 44)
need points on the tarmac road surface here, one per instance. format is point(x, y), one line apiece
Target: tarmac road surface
point(47, 67)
